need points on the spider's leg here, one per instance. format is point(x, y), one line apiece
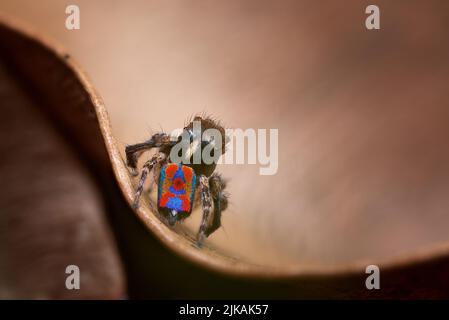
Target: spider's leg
point(134, 151)
point(206, 201)
point(220, 198)
point(143, 177)
point(158, 167)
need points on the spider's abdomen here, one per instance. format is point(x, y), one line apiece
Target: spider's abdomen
point(176, 188)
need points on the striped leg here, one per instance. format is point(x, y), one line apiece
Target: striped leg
point(147, 167)
point(134, 151)
point(206, 201)
point(220, 198)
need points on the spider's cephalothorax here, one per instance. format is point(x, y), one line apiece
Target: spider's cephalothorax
point(182, 171)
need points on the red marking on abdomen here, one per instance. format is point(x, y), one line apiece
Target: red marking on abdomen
point(171, 170)
point(165, 197)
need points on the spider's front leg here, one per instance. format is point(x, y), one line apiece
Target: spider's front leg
point(147, 167)
point(134, 151)
point(212, 191)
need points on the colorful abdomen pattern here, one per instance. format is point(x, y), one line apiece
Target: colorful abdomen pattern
point(176, 188)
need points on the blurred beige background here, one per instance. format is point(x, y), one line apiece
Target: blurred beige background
point(362, 115)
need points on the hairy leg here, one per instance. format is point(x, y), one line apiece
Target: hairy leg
point(145, 170)
point(206, 201)
point(220, 198)
point(134, 151)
